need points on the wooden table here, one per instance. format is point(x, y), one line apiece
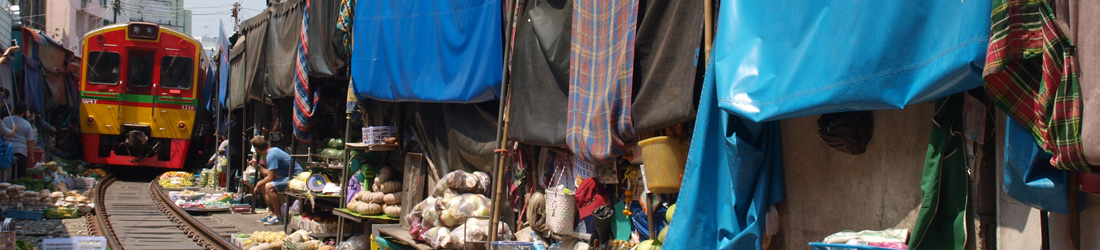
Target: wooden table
point(399, 235)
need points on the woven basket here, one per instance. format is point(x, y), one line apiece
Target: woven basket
point(560, 210)
point(7, 240)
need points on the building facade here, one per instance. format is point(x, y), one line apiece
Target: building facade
point(167, 13)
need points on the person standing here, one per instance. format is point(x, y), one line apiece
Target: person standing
point(18, 132)
point(280, 167)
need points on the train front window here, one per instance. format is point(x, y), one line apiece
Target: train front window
point(176, 72)
point(103, 67)
point(140, 69)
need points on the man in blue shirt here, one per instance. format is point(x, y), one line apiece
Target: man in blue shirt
point(280, 168)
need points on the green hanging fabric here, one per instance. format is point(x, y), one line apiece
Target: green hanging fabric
point(941, 224)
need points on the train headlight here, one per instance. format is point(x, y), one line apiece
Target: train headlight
point(90, 120)
point(181, 125)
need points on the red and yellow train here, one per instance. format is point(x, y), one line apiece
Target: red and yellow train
point(139, 92)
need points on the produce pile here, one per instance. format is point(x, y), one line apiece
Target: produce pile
point(95, 172)
point(334, 148)
point(299, 240)
point(455, 213)
point(208, 178)
point(384, 196)
point(316, 224)
point(655, 244)
point(176, 179)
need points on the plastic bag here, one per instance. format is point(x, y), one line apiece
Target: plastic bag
point(457, 209)
point(355, 243)
point(475, 230)
point(463, 182)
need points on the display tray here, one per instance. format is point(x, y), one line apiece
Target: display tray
point(371, 147)
point(345, 213)
point(179, 188)
point(401, 236)
point(206, 210)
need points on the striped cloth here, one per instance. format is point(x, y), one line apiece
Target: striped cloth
point(305, 100)
point(1030, 73)
point(601, 73)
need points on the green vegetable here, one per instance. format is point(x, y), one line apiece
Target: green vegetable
point(649, 245)
point(668, 214)
point(661, 236)
point(336, 143)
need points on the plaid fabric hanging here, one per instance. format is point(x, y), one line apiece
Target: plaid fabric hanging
point(305, 100)
point(1030, 73)
point(601, 76)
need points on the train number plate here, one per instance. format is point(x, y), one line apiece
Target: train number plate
point(188, 107)
point(88, 101)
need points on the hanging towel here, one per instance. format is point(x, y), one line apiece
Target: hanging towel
point(666, 57)
point(540, 74)
point(941, 223)
point(305, 99)
point(601, 73)
point(1030, 74)
point(734, 172)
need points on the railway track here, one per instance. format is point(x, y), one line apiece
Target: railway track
point(140, 215)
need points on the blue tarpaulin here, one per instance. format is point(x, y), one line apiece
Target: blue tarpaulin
point(427, 51)
point(1029, 177)
point(789, 58)
point(734, 173)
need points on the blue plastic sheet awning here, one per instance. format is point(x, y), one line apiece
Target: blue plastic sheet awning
point(789, 58)
point(427, 51)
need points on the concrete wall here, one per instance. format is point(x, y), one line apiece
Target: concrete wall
point(830, 191)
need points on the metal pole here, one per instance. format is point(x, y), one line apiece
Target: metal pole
point(1074, 211)
point(502, 127)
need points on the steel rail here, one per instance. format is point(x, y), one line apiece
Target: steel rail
point(101, 222)
point(206, 237)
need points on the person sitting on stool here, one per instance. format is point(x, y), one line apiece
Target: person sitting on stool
point(276, 178)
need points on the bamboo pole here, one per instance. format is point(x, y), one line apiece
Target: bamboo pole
point(708, 28)
point(502, 126)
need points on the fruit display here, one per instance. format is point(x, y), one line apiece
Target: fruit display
point(382, 198)
point(176, 179)
point(95, 172)
point(265, 240)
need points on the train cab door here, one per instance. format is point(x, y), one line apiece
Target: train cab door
point(175, 103)
point(137, 90)
point(101, 91)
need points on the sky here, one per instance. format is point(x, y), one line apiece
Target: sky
point(205, 14)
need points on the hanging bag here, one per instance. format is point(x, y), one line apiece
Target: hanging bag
point(560, 207)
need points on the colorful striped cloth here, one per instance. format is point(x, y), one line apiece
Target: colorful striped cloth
point(345, 20)
point(305, 100)
point(601, 73)
point(1030, 73)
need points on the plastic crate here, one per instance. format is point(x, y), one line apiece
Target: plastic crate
point(23, 214)
point(75, 243)
point(827, 246)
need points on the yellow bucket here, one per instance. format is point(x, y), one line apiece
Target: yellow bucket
point(663, 159)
